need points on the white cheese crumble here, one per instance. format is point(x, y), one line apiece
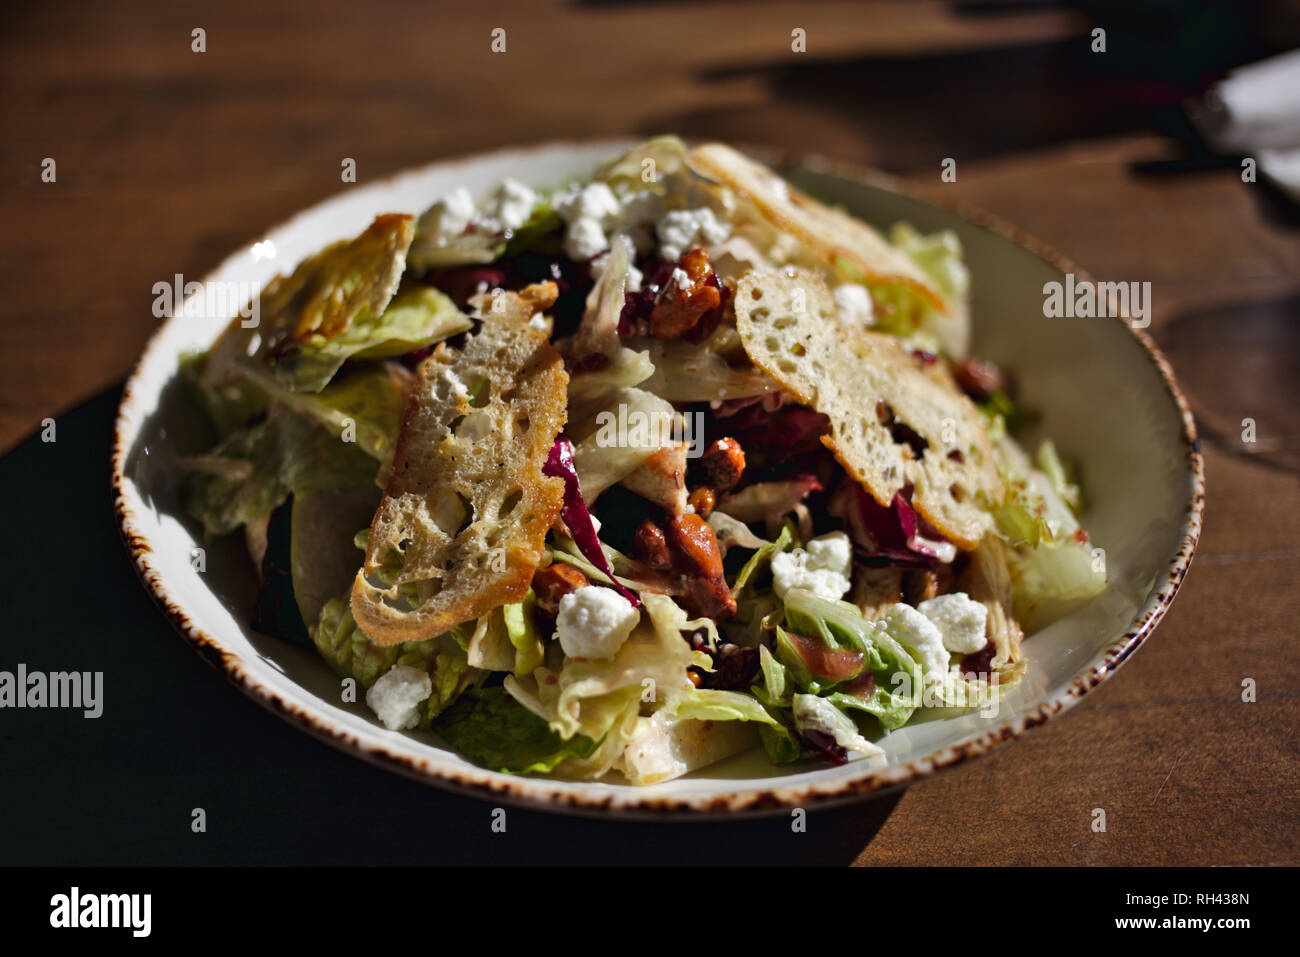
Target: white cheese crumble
point(960, 619)
point(451, 215)
point(853, 304)
point(509, 206)
point(683, 229)
point(584, 238)
point(823, 567)
point(921, 637)
point(397, 695)
point(588, 213)
point(593, 622)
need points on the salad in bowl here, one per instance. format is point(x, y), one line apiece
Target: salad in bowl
point(630, 474)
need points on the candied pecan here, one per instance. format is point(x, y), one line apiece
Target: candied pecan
point(698, 562)
point(722, 464)
point(694, 546)
point(683, 302)
point(702, 499)
point(707, 597)
point(552, 583)
point(650, 545)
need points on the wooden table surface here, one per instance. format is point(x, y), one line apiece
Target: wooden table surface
point(167, 159)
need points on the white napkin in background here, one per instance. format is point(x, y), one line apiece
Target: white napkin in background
point(1255, 111)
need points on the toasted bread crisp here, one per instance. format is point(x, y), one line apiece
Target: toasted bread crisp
point(462, 524)
point(842, 241)
point(892, 424)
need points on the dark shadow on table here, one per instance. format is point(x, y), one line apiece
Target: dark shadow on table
point(907, 110)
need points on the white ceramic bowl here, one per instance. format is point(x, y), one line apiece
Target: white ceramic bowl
point(1106, 396)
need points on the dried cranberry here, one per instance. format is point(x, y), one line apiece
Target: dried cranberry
point(591, 362)
point(823, 746)
point(634, 320)
point(462, 282)
point(734, 667)
point(978, 663)
point(979, 378)
point(861, 686)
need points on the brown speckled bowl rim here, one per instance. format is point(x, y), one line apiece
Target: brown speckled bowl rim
point(506, 789)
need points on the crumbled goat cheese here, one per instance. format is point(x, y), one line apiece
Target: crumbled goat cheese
point(509, 206)
point(583, 239)
point(593, 622)
point(397, 695)
point(960, 619)
point(823, 567)
point(921, 637)
point(588, 213)
point(451, 215)
point(853, 303)
point(683, 229)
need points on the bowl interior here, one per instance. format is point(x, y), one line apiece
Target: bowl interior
point(1101, 396)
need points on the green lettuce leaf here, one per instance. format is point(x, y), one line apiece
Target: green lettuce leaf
point(668, 154)
point(761, 557)
point(521, 626)
point(707, 704)
point(776, 686)
point(711, 704)
point(1049, 462)
point(1053, 565)
point(495, 731)
point(229, 406)
point(253, 470)
point(600, 698)
point(895, 691)
point(321, 559)
point(781, 748)
point(363, 404)
point(352, 654)
point(416, 317)
point(939, 255)
point(347, 649)
point(345, 283)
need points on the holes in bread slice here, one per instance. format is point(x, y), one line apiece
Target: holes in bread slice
point(466, 497)
point(891, 423)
